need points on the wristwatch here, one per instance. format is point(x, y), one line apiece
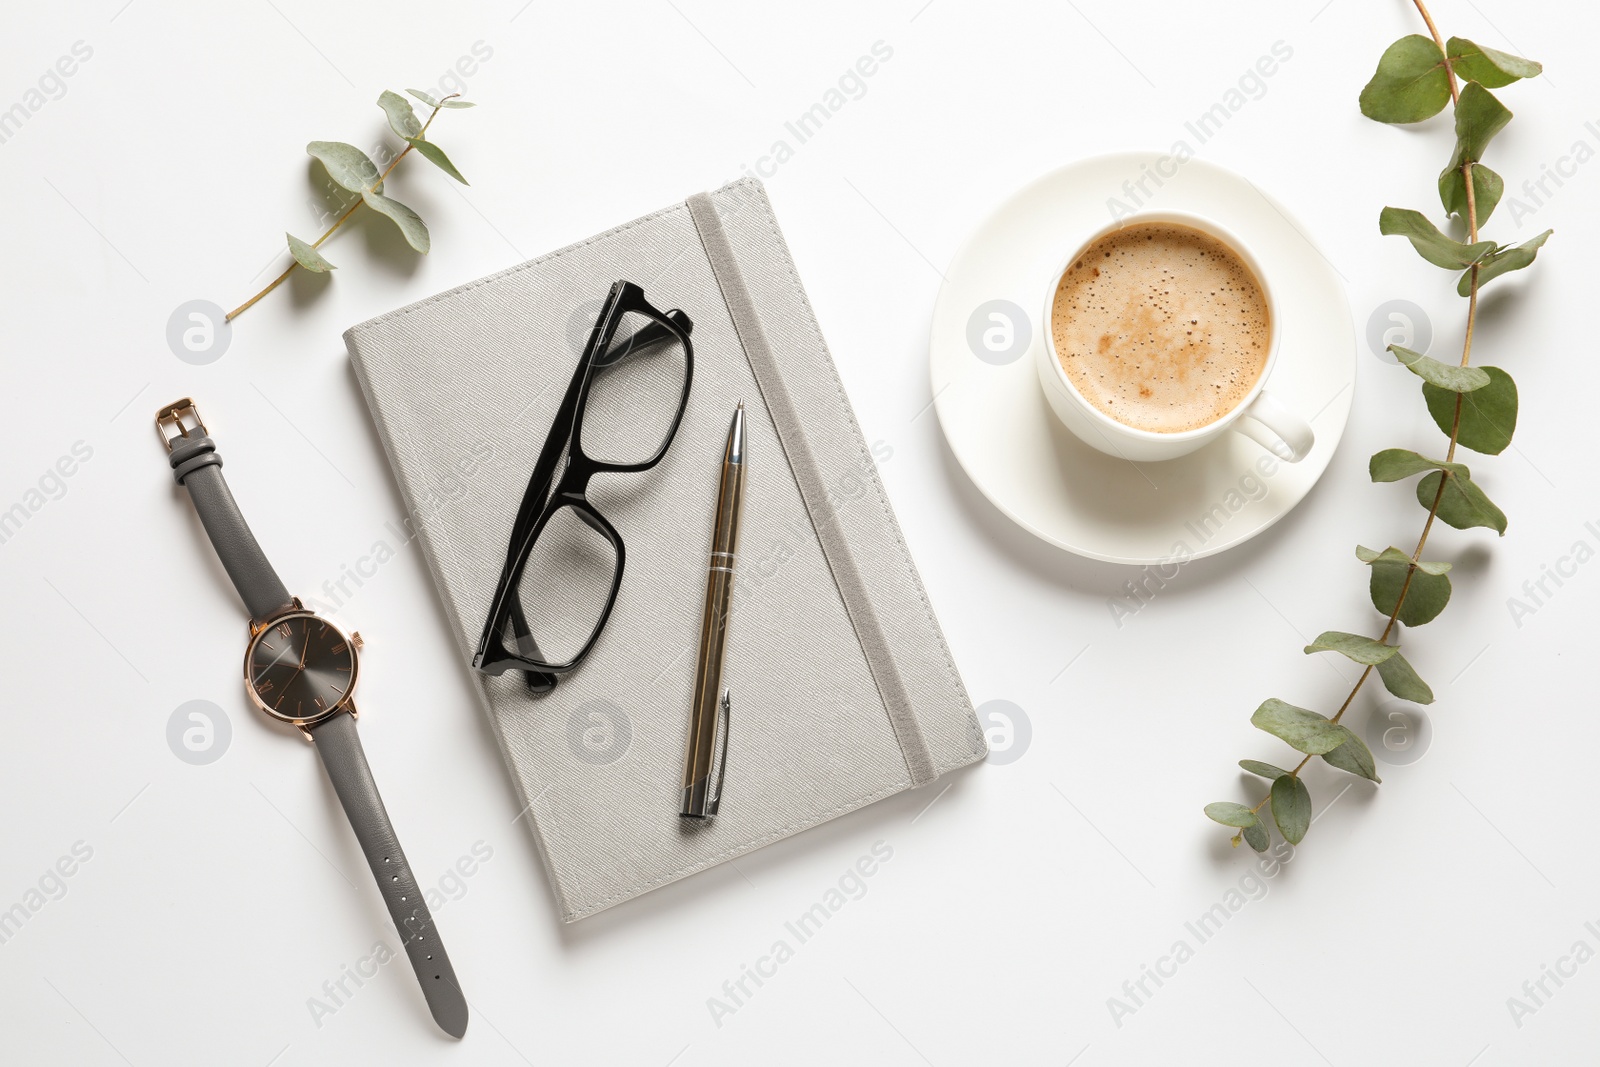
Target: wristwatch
point(301, 669)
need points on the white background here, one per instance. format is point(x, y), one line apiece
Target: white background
point(219, 898)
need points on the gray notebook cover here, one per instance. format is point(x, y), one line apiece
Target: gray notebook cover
point(844, 691)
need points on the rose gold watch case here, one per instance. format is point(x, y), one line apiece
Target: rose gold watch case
point(352, 641)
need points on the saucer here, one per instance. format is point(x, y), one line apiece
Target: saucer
point(989, 318)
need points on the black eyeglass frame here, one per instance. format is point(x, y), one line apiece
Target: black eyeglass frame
point(541, 501)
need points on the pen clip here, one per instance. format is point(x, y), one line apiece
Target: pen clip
point(724, 715)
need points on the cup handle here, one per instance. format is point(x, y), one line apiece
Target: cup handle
point(1276, 428)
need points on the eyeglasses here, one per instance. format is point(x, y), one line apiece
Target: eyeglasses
point(564, 561)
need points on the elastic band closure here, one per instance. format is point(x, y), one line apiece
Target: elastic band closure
point(813, 490)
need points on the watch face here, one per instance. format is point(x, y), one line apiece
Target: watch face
point(300, 667)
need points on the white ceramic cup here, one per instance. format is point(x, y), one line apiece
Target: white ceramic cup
point(1258, 416)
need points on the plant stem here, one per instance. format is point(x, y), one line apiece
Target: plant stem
point(1455, 422)
point(280, 279)
point(1455, 90)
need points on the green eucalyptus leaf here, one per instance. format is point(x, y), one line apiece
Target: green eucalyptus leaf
point(1256, 836)
point(435, 155)
point(1503, 261)
point(307, 256)
point(1300, 729)
point(1479, 116)
point(416, 234)
point(1392, 554)
point(1487, 66)
point(1430, 244)
point(402, 120)
point(1393, 464)
point(431, 102)
point(1230, 814)
point(1353, 756)
point(1487, 189)
point(1426, 596)
point(1401, 679)
point(1291, 808)
point(1444, 375)
point(1410, 83)
point(1265, 770)
point(1363, 650)
point(347, 165)
point(1488, 415)
point(1463, 504)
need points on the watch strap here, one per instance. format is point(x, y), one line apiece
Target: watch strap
point(197, 466)
point(340, 748)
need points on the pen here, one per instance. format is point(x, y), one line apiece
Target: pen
point(707, 761)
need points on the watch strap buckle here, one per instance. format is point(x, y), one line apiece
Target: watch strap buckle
point(173, 415)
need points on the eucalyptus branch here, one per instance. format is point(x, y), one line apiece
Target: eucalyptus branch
point(1474, 407)
point(354, 171)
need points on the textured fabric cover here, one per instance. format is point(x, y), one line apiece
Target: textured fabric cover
point(462, 387)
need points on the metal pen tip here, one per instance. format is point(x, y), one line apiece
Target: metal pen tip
point(735, 448)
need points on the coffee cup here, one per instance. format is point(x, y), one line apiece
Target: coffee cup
point(1171, 330)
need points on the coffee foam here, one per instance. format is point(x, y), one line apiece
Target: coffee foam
point(1162, 327)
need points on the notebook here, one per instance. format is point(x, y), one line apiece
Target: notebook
point(843, 689)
